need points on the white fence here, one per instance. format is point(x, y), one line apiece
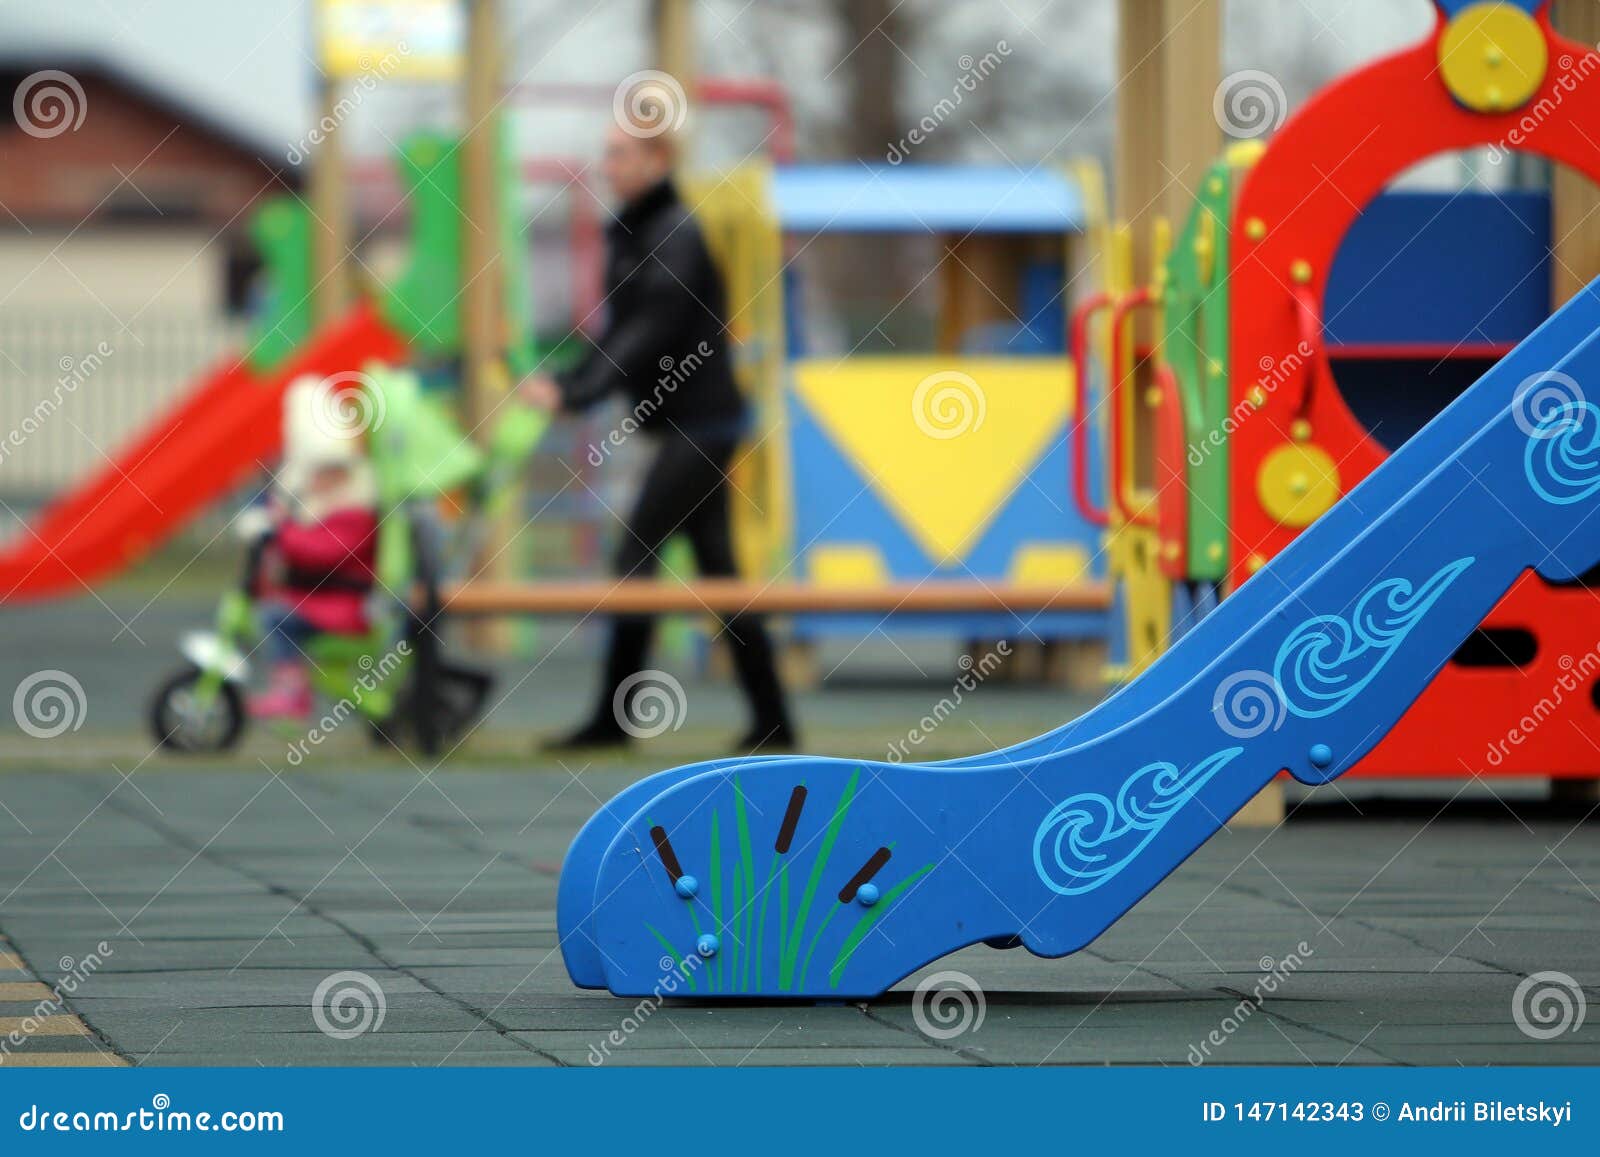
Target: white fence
point(76, 386)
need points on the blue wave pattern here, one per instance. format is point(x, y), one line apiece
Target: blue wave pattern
point(1562, 460)
point(1086, 840)
point(1328, 660)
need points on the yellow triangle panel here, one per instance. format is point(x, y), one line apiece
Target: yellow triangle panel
point(945, 443)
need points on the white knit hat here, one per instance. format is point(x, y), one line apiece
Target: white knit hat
point(324, 424)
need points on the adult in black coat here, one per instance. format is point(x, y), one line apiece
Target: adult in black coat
point(664, 351)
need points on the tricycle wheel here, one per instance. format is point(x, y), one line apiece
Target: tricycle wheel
point(182, 721)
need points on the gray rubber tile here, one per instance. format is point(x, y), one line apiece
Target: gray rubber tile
point(228, 894)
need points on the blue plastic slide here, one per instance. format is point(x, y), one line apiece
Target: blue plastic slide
point(827, 878)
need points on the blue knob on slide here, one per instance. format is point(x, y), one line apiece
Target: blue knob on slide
point(867, 895)
point(1321, 755)
point(686, 886)
point(707, 945)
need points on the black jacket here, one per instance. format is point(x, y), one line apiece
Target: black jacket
point(665, 347)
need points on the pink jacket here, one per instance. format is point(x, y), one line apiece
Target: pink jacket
point(328, 568)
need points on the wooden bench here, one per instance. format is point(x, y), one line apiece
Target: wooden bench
point(732, 596)
point(1077, 663)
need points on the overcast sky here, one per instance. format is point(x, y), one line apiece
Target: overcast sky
point(251, 59)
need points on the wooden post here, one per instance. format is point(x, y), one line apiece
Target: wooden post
point(1574, 199)
point(1141, 111)
point(1169, 65)
point(1574, 259)
point(1191, 57)
point(482, 299)
point(483, 322)
point(329, 200)
point(674, 40)
point(674, 54)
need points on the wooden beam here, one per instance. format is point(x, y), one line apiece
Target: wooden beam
point(482, 302)
point(674, 34)
point(1191, 57)
point(1169, 63)
point(328, 195)
point(732, 596)
point(1141, 107)
point(1574, 199)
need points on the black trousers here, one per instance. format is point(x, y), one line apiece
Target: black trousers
point(685, 491)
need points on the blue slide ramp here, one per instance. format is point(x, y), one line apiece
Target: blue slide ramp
point(827, 878)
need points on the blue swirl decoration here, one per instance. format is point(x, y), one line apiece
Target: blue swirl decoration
point(1086, 840)
point(1328, 660)
point(1562, 460)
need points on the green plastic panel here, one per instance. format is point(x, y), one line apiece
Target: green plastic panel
point(424, 303)
point(1195, 330)
point(281, 230)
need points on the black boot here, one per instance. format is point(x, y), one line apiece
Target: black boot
point(756, 666)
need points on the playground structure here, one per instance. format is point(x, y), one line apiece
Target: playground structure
point(973, 518)
point(967, 489)
point(1334, 614)
point(1306, 329)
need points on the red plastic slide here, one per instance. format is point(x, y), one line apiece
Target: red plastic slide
point(228, 427)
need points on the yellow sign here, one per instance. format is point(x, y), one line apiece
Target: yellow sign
point(411, 39)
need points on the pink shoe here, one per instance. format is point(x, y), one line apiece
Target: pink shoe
point(288, 694)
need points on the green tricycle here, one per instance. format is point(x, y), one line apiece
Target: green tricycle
point(395, 678)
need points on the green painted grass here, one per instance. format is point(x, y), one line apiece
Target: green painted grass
point(742, 925)
point(791, 955)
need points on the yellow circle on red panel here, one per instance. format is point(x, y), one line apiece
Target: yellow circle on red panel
point(1297, 482)
point(1493, 56)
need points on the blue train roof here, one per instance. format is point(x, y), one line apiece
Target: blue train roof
point(912, 198)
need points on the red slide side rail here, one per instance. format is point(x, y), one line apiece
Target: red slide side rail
point(1092, 512)
point(1121, 470)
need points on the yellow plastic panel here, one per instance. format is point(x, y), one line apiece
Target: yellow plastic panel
point(1044, 564)
point(847, 565)
point(944, 442)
